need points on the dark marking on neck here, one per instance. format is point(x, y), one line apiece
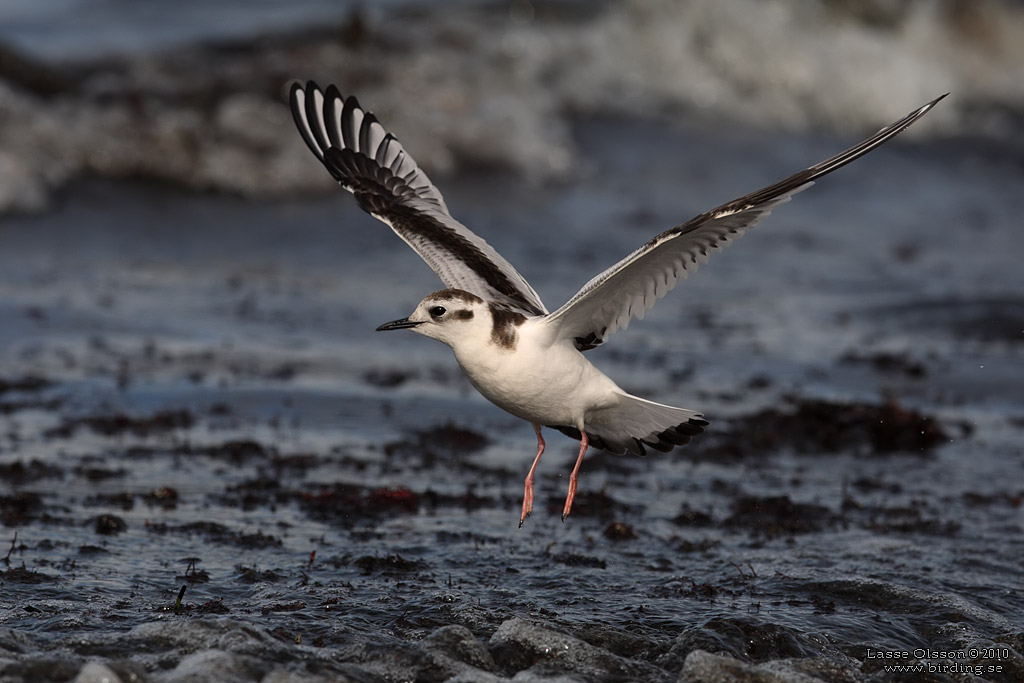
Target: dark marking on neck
point(504, 333)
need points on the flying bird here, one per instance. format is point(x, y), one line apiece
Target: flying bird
point(518, 354)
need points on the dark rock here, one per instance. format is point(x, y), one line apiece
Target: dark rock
point(773, 516)
point(19, 507)
point(370, 564)
point(518, 645)
point(817, 426)
point(887, 363)
point(26, 384)
point(459, 643)
point(743, 639)
point(21, 472)
point(109, 525)
point(704, 667)
point(618, 531)
point(577, 560)
point(119, 423)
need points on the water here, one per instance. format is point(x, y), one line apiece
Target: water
point(496, 85)
point(303, 431)
point(86, 29)
point(192, 394)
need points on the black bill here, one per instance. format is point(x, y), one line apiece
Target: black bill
point(401, 324)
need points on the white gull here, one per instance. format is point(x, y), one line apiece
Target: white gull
point(521, 357)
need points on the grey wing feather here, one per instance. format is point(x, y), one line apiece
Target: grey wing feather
point(632, 286)
point(372, 164)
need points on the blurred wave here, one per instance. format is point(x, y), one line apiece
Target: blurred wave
point(476, 84)
point(86, 29)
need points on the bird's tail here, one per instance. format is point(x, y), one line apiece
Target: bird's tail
point(633, 424)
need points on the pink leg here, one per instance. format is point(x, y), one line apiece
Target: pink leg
point(572, 477)
point(528, 483)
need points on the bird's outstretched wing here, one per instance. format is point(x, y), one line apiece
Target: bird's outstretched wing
point(371, 163)
point(631, 287)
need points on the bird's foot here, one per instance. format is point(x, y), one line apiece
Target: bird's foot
point(584, 442)
point(570, 497)
point(527, 502)
point(528, 482)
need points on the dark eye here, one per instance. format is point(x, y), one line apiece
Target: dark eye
point(437, 311)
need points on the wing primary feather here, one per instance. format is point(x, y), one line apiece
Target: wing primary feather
point(609, 301)
point(298, 100)
point(383, 150)
point(314, 114)
point(833, 163)
point(332, 113)
point(364, 133)
point(350, 123)
point(372, 164)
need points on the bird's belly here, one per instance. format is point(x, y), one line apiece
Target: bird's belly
point(550, 389)
point(542, 405)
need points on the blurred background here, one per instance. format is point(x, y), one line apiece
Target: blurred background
point(190, 92)
point(192, 394)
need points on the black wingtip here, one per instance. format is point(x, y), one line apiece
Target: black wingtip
point(293, 99)
point(314, 115)
point(335, 163)
point(349, 136)
point(926, 108)
point(332, 97)
point(300, 107)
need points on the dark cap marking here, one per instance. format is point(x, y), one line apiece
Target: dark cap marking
point(457, 294)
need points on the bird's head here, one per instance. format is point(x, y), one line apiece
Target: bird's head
point(450, 316)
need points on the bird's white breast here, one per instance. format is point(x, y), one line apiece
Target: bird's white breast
point(536, 380)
